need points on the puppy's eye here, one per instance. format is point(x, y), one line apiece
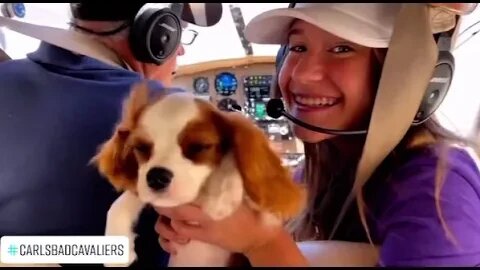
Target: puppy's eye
point(143, 149)
point(196, 148)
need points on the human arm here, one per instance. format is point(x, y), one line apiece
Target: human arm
point(261, 246)
point(246, 234)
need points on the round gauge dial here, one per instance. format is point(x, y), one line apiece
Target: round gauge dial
point(228, 104)
point(226, 84)
point(201, 85)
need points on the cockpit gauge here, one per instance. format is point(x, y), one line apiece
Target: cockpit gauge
point(226, 84)
point(201, 85)
point(228, 104)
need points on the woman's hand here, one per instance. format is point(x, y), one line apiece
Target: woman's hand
point(241, 232)
point(168, 236)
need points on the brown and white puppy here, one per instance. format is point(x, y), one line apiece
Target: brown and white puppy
point(176, 149)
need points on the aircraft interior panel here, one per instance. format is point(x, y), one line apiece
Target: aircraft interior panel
point(243, 84)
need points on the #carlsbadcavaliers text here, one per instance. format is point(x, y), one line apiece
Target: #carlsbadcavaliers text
point(71, 250)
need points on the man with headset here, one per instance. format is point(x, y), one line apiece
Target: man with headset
point(57, 107)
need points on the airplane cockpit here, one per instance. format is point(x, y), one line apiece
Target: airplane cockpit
point(235, 74)
point(219, 64)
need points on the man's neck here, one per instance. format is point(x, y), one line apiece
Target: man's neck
point(134, 65)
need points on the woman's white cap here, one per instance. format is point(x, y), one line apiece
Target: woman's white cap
point(367, 24)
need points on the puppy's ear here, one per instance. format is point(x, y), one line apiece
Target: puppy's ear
point(267, 183)
point(134, 105)
point(115, 159)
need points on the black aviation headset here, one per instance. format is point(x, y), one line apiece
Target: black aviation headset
point(434, 95)
point(155, 31)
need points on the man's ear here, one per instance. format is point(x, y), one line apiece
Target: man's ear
point(267, 183)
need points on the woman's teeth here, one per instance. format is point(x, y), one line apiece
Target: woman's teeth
point(315, 101)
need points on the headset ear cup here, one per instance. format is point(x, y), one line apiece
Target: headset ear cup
point(137, 37)
point(438, 87)
point(155, 35)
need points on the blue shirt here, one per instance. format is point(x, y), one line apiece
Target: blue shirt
point(56, 108)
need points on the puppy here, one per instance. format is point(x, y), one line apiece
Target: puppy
point(175, 149)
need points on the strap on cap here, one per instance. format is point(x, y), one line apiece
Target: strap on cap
point(408, 67)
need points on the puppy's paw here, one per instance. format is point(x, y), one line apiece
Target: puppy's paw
point(121, 217)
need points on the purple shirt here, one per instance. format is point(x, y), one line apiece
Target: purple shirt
point(407, 224)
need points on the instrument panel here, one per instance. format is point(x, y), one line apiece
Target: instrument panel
point(226, 84)
point(201, 85)
point(244, 85)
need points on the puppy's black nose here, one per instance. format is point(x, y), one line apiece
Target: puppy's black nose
point(159, 178)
